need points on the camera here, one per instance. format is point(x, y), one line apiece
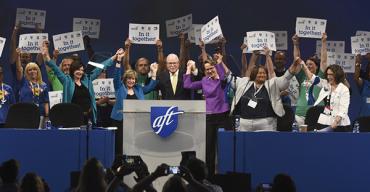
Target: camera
point(264, 187)
point(173, 170)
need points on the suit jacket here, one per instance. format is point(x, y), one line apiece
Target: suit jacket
point(165, 86)
point(273, 86)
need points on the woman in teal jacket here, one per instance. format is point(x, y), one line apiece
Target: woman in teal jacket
point(77, 87)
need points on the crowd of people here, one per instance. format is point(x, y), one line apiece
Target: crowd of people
point(259, 96)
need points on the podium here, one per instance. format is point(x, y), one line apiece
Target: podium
point(140, 139)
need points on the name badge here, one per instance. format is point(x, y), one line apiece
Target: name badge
point(367, 99)
point(252, 103)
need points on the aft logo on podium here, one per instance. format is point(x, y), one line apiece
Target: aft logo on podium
point(164, 120)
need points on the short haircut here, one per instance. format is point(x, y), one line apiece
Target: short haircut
point(255, 70)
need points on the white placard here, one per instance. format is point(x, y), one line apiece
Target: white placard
point(345, 60)
point(363, 33)
point(179, 25)
point(211, 30)
point(31, 42)
point(331, 46)
point(103, 88)
point(257, 40)
point(55, 97)
point(309, 27)
point(69, 42)
point(281, 40)
point(28, 18)
point(360, 45)
point(143, 33)
point(293, 90)
point(2, 43)
point(194, 33)
point(89, 27)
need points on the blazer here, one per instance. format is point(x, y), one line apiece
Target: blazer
point(69, 84)
point(273, 86)
point(339, 101)
point(164, 85)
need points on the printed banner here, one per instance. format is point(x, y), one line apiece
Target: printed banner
point(143, 33)
point(89, 27)
point(104, 88)
point(309, 27)
point(194, 33)
point(2, 43)
point(281, 40)
point(211, 30)
point(360, 45)
point(345, 60)
point(331, 46)
point(28, 18)
point(179, 25)
point(69, 42)
point(257, 40)
point(55, 97)
point(31, 42)
point(363, 33)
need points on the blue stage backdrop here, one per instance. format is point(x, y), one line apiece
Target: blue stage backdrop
point(236, 18)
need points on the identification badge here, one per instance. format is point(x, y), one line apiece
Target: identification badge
point(367, 99)
point(252, 103)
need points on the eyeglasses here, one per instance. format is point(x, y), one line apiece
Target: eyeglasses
point(172, 63)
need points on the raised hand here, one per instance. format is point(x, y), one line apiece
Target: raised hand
point(45, 49)
point(243, 46)
point(154, 68)
point(38, 28)
point(55, 54)
point(127, 43)
point(295, 39)
point(324, 37)
point(161, 170)
point(120, 54)
point(266, 51)
point(190, 65)
point(159, 44)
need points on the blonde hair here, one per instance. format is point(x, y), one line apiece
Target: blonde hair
point(32, 66)
point(129, 74)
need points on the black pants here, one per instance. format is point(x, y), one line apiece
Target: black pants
point(119, 134)
point(213, 122)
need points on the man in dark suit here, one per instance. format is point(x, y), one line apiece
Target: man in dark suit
point(171, 82)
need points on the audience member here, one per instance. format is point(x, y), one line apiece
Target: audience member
point(9, 171)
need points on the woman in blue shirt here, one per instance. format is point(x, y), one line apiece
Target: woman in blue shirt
point(127, 88)
point(7, 98)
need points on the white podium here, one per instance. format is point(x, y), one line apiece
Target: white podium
point(140, 139)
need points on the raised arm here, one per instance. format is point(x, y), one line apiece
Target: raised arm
point(204, 54)
point(19, 68)
point(283, 81)
point(252, 63)
point(357, 77)
point(269, 64)
point(324, 53)
point(188, 84)
point(88, 47)
point(244, 60)
point(182, 49)
point(13, 44)
point(126, 59)
point(296, 49)
point(220, 60)
point(222, 44)
point(160, 56)
point(118, 72)
point(51, 63)
point(153, 83)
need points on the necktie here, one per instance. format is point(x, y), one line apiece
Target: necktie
point(174, 82)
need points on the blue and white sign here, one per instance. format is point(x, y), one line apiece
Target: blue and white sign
point(164, 120)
